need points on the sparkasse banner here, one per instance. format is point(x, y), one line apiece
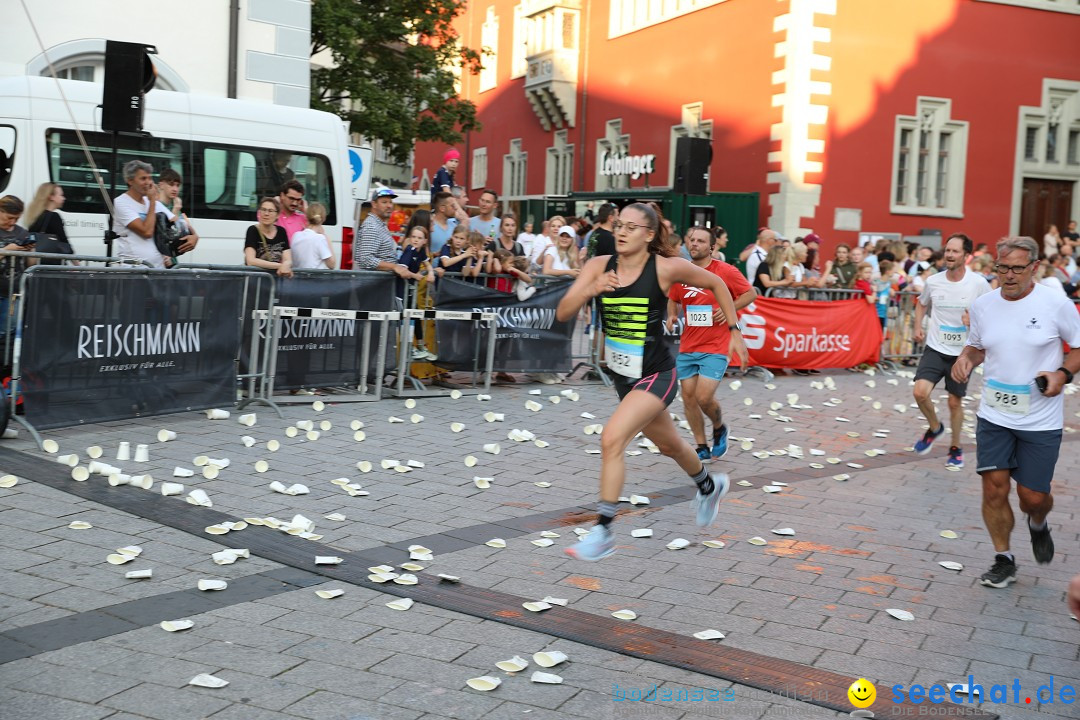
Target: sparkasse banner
point(801, 334)
point(117, 344)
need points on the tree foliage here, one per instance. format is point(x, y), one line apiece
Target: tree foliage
point(393, 69)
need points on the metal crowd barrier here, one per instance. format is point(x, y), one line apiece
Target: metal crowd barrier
point(366, 316)
point(405, 349)
point(898, 345)
point(825, 294)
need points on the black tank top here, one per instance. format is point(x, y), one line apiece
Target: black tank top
point(633, 322)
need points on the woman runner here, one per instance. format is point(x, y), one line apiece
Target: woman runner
point(632, 286)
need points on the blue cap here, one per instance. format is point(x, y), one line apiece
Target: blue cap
point(381, 193)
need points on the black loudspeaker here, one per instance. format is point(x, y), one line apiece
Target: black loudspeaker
point(693, 156)
point(129, 75)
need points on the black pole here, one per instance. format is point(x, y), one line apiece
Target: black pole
point(234, 44)
point(113, 172)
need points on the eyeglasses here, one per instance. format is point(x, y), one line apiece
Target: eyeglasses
point(629, 227)
point(1014, 269)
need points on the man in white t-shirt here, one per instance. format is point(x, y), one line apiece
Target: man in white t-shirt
point(486, 223)
point(949, 296)
point(1018, 331)
point(134, 215)
point(754, 255)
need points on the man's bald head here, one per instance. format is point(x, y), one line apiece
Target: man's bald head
point(766, 238)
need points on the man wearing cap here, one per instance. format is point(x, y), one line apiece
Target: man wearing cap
point(444, 177)
point(375, 248)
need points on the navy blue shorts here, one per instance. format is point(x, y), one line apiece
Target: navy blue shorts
point(662, 384)
point(1030, 454)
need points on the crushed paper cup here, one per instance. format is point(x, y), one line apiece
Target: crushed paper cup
point(496, 543)
point(481, 397)
point(7, 481)
point(841, 477)
point(901, 614)
point(948, 534)
point(71, 460)
point(639, 500)
point(330, 594)
point(198, 496)
point(400, 604)
point(164, 435)
point(209, 585)
point(139, 574)
point(132, 551)
point(549, 658)
point(448, 578)
point(678, 544)
point(588, 416)
point(381, 577)
point(79, 474)
point(387, 463)
point(457, 427)
point(709, 635)
point(482, 482)
point(492, 448)
point(514, 664)
point(537, 606)
point(248, 441)
point(217, 414)
point(554, 399)
point(336, 517)
point(533, 405)
point(484, 684)
point(176, 625)
point(543, 542)
point(207, 681)
point(716, 544)
point(624, 615)
point(247, 419)
point(641, 533)
point(402, 468)
point(328, 560)
point(356, 425)
point(50, 446)
point(772, 488)
point(783, 531)
point(201, 460)
point(541, 443)
point(412, 567)
point(545, 678)
point(79, 525)
point(118, 558)
point(758, 541)
point(951, 565)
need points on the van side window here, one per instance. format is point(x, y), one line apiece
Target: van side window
point(69, 167)
point(7, 155)
point(230, 179)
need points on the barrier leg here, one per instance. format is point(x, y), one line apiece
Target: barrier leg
point(493, 331)
point(365, 358)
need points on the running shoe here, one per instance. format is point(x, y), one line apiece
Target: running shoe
point(956, 457)
point(923, 446)
point(1042, 545)
point(709, 505)
point(719, 448)
point(598, 544)
point(1001, 574)
point(703, 453)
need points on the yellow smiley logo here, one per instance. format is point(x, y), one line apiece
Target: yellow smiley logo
point(862, 693)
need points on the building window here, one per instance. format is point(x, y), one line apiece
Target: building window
point(1031, 143)
point(931, 182)
point(1065, 6)
point(78, 72)
point(559, 177)
point(614, 144)
point(519, 51)
point(515, 167)
point(627, 16)
point(1073, 153)
point(478, 169)
point(1051, 132)
point(690, 125)
point(489, 47)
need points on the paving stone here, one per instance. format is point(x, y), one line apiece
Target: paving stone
point(31, 706)
point(165, 703)
point(324, 705)
point(459, 704)
point(264, 693)
point(84, 686)
point(416, 644)
point(359, 656)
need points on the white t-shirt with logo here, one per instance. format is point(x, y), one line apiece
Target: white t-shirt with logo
point(1022, 338)
point(948, 300)
point(129, 244)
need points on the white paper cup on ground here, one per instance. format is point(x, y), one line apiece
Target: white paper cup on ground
point(142, 453)
point(356, 425)
point(94, 452)
point(248, 441)
point(514, 664)
point(549, 658)
point(201, 460)
point(164, 435)
point(484, 684)
point(207, 585)
point(80, 474)
point(139, 574)
point(210, 472)
point(492, 448)
point(123, 452)
point(50, 446)
point(261, 466)
point(170, 488)
point(273, 445)
point(318, 406)
point(198, 496)
point(182, 472)
point(142, 481)
point(71, 460)
point(313, 435)
point(325, 425)
point(545, 678)
point(117, 479)
point(176, 625)
point(291, 431)
point(247, 419)
point(7, 481)
point(305, 425)
point(207, 681)
point(217, 414)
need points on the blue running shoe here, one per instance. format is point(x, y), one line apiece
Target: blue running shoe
point(923, 446)
point(956, 457)
point(719, 448)
point(709, 505)
point(703, 454)
point(598, 544)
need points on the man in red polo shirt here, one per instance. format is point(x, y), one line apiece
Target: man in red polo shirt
point(703, 347)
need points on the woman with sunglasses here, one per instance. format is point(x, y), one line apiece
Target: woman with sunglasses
point(632, 286)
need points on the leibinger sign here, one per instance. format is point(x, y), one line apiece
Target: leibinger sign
point(633, 165)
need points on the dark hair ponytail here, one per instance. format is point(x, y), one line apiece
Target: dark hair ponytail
point(658, 245)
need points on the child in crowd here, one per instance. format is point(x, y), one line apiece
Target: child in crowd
point(514, 270)
point(444, 176)
point(883, 287)
point(416, 257)
point(454, 256)
point(519, 267)
point(864, 274)
point(481, 258)
point(310, 248)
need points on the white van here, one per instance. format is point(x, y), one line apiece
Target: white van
point(229, 153)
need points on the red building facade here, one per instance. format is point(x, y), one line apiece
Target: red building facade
point(844, 115)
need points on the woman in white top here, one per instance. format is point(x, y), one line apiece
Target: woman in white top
point(310, 248)
point(562, 257)
point(1051, 241)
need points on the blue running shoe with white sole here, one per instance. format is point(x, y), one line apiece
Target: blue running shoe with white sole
point(956, 457)
point(719, 448)
point(598, 544)
point(927, 440)
point(703, 454)
point(709, 505)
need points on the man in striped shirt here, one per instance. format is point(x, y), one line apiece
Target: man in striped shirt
point(375, 248)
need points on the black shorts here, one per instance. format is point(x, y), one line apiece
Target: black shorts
point(663, 384)
point(1031, 455)
point(935, 365)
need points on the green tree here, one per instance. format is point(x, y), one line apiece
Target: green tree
point(393, 69)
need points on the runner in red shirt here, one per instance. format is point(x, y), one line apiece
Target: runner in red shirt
point(703, 347)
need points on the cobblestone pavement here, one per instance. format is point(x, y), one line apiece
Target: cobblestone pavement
point(861, 546)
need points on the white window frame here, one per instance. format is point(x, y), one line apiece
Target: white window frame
point(519, 64)
point(932, 121)
point(1062, 6)
point(478, 169)
point(489, 47)
point(691, 125)
point(559, 172)
point(515, 171)
point(627, 16)
point(614, 142)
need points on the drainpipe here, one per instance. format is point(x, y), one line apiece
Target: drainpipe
point(234, 42)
